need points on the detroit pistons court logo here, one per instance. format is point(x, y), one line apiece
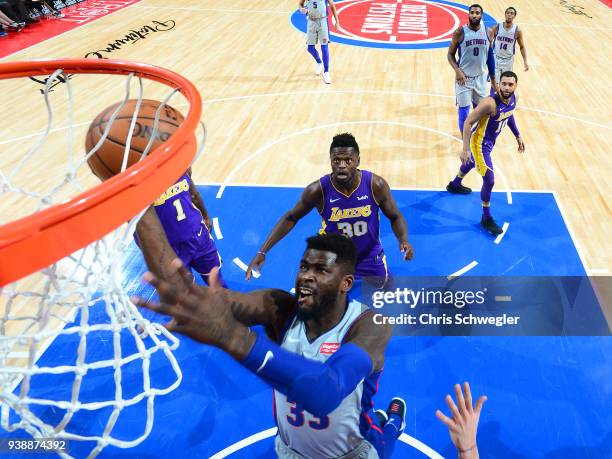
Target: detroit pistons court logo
point(395, 24)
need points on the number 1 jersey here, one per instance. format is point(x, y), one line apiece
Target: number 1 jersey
point(180, 218)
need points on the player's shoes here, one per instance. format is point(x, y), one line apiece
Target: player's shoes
point(397, 414)
point(490, 225)
point(381, 416)
point(326, 78)
point(457, 189)
point(319, 69)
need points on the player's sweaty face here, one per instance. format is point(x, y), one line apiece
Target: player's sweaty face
point(344, 163)
point(510, 16)
point(507, 86)
point(317, 284)
point(475, 16)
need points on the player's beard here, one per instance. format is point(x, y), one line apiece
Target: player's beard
point(501, 93)
point(325, 303)
point(475, 22)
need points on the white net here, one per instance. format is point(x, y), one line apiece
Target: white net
point(76, 356)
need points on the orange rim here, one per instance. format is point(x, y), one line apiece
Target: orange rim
point(38, 240)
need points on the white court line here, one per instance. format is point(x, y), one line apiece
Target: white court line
point(398, 188)
point(422, 447)
point(217, 228)
point(265, 147)
point(242, 265)
point(405, 438)
point(326, 92)
point(216, 10)
point(500, 236)
point(463, 270)
point(18, 355)
point(244, 443)
point(505, 182)
point(569, 229)
point(599, 271)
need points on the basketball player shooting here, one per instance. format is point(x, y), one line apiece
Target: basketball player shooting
point(490, 117)
point(322, 354)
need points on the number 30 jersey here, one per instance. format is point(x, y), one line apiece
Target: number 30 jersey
point(180, 218)
point(355, 216)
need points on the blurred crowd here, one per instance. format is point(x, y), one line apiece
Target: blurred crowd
point(15, 15)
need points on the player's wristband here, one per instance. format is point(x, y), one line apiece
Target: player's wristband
point(262, 253)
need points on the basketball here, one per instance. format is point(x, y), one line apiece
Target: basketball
point(106, 162)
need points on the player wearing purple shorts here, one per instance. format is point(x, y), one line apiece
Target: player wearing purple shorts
point(348, 201)
point(489, 117)
point(186, 224)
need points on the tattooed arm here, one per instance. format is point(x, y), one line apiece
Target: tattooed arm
point(157, 251)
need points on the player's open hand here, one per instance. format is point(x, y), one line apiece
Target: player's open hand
point(202, 313)
point(526, 67)
point(255, 264)
point(463, 424)
point(460, 77)
point(464, 156)
point(521, 145)
point(407, 250)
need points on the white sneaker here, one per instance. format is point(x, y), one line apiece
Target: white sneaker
point(319, 69)
point(326, 78)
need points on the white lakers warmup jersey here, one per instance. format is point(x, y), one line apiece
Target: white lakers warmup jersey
point(341, 431)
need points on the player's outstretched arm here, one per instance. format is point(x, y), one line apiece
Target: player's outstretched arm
point(156, 250)
point(270, 307)
point(450, 55)
point(485, 108)
point(463, 424)
point(197, 200)
point(386, 201)
point(202, 314)
point(513, 127)
point(523, 48)
point(312, 197)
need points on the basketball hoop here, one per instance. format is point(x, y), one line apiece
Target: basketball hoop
point(64, 261)
point(31, 242)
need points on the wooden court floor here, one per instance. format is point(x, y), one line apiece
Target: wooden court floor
point(270, 120)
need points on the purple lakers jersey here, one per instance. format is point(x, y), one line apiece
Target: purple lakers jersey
point(180, 218)
point(355, 216)
point(486, 131)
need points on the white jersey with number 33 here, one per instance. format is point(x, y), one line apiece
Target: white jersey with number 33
point(337, 433)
